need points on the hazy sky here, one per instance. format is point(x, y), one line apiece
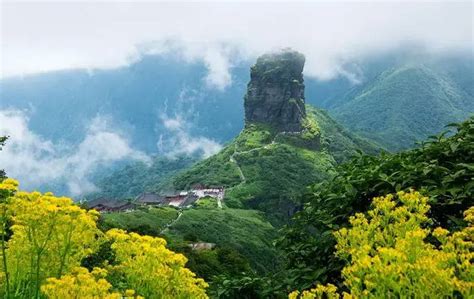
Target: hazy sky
point(41, 36)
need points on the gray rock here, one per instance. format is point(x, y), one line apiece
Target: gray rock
point(275, 93)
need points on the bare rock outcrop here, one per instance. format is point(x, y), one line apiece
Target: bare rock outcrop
point(275, 93)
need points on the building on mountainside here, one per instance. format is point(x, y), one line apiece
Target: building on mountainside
point(202, 246)
point(150, 199)
point(104, 205)
point(180, 199)
point(175, 200)
point(217, 193)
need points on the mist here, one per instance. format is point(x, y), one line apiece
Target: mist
point(330, 34)
point(37, 162)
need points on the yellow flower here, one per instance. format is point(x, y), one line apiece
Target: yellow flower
point(388, 257)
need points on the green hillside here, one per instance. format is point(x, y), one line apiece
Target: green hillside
point(269, 170)
point(405, 104)
point(244, 234)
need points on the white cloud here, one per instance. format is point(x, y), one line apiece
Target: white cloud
point(36, 161)
point(218, 65)
point(182, 142)
point(42, 36)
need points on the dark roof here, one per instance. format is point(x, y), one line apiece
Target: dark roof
point(106, 202)
point(149, 198)
point(190, 199)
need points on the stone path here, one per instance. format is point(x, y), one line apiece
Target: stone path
point(171, 223)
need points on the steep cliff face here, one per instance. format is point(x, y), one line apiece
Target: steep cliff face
point(275, 93)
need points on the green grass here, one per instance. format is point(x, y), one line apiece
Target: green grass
point(214, 171)
point(277, 176)
point(253, 136)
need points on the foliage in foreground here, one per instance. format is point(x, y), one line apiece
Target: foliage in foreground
point(45, 240)
point(441, 168)
point(81, 283)
point(388, 256)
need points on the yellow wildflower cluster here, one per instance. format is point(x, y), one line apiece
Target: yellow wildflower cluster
point(320, 291)
point(151, 269)
point(44, 239)
point(50, 236)
point(8, 187)
point(388, 256)
point(80, 283)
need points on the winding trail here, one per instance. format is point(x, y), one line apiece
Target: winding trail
point(171, 223)
point(232, 159)
point(243, 179)
point(241, 173)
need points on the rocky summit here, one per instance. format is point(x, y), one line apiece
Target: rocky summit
point(275, 93)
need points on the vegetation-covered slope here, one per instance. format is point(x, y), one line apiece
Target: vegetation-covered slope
point(269, 170)
point(441, 169)
point(246, 231)
point(405, 104)
point(243, 233)
point(135, 178)
point(144, 221)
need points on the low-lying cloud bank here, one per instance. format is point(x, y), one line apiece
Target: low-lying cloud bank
point(36, 161)
point(182, 142)
point(330, 34)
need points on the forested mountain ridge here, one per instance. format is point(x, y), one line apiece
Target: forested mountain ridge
point(405, 104)
point(134, 98)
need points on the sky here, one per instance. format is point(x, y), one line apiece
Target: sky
point(41, 36)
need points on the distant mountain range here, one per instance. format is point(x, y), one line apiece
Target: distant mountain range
point(407, 103)
point(393, 89)
point(394, 100)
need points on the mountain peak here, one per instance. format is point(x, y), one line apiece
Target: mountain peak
point(275, 93)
